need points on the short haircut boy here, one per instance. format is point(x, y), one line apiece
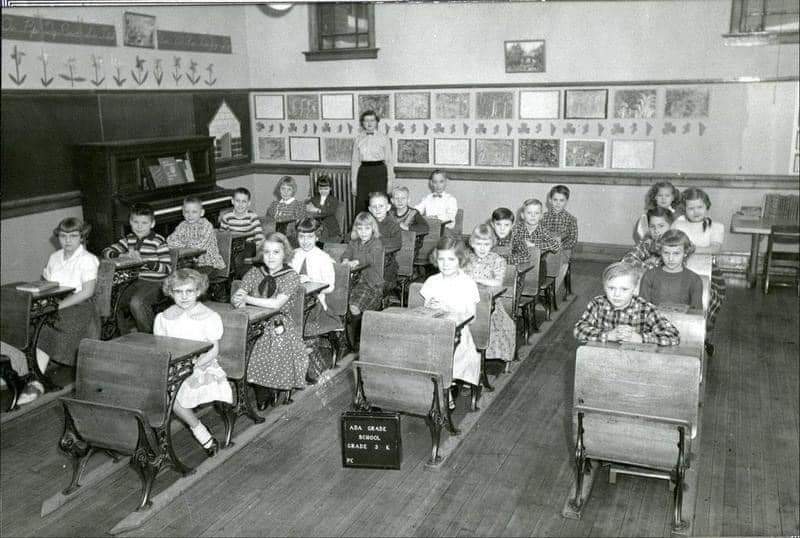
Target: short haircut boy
point(307, 225)
point(502, 213)
point(401, 188)
point(559, 189)
point(143, 210)
point(193, 200)
point(619, 269)
point(242, 190)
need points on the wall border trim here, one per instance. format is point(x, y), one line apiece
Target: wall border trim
point(38, 204)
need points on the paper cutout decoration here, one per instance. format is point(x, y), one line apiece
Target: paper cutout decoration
point(600, 129)
point(585, 153)
point(569, 128)
point(617, 129)
point(585, 128)
point(523, 128)
point(539, 152)
point(669, 128)
point(438, 128)
point(552, 130)
point(453, 129)
point(280, 128)
point(413, 128)
point(466, 128)
point(637, 154)
point(481, 129)
point(634, 128)
point(649, 128)
point(292, 127)
point(227, 132)
point(326, 127)
point(701, 127)
point(686, 128)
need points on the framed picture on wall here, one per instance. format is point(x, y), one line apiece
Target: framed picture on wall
point(304, 148)
point(413, 150)
point(268, 107)
point(338, 106)
point(539, 104)
point(378, 103)
point(271, 148)
point(302, 106)
point(585, 104)
point(140, 30)
point(584, 153)
point(451, 151)
point(637, 154)
point(525, 56)
point(338, 150)
point(539, 152)
point(412, 106)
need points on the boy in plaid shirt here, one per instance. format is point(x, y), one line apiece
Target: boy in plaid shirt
point(562, 224)
point(146, 245)
point(622, 316)
point(529, 233)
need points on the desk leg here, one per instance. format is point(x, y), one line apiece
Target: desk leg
point(30, 352)
point(177, 373)
point(752, 268)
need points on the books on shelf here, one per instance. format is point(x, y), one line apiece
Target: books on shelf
point(175, 174)
point(37, 286)
point(159, 176)
point(187, 169)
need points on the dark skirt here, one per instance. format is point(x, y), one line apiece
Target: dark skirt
point(74, 324)
point(372, 177)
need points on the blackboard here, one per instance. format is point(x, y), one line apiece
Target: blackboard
point(220, 44)
point(371, 440)
point(40, 129)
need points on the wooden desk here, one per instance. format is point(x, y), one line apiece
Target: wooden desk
point(239, 242)
point(421, 311)
point(182, 354)
point(313, 289)
point(125, 273)
point(756, 227)
point(23, 316)
point(185, 257)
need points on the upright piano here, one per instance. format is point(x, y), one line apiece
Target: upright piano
point(115, 175)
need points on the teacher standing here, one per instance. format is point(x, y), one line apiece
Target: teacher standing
point(372, 168)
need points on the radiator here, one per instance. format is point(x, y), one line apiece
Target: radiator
point(342, 191)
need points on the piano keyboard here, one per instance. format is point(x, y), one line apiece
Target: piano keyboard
point(175, 209)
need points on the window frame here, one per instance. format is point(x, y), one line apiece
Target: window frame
point(755, 37)
point(317, 53)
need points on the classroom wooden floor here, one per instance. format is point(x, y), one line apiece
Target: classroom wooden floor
point(509, 476)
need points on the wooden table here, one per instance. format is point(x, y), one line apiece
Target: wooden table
point(182, 355)
point(756, 227)
point(23, 316)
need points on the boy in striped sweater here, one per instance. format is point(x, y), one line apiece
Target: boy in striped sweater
point(146, 245)
point(242, 220)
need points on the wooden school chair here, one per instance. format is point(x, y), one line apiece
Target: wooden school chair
point(636, 407)
point(405, 263)
point(406, 365)
point(12, 381)
point(124, 394)
point(114, 276)
point(782, 235)
point(337, 302)
point(415, 300)
point(529, 289)
point(219, 280)
point(481, 327)
point(422, 258)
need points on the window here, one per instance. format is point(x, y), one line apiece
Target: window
point(341, 31)
point(761, 22)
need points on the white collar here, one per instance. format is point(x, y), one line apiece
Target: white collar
point(75, 255)
point(288, 201)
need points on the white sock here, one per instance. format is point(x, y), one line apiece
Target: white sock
point(43, 359)
point(201, 433)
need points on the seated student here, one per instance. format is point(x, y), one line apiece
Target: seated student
point(279, 360)
point(407, 217)
point(621, 316)
point(439, 204)
point(364, 248)
point(647, 253)
point(19, 363)
point(562, 224)
point(528, 233)
point(453, 291)
point(662, 194)
point(488, 268)
point(144, 244)
point(197, 231)
point(315, 265)
point(73, 266)
point(288, 209)
point(323, 207)
point(245, 221)
point(391, 239)
point(673, 283)
point(190, 319)
point(502, 223)
point(707, 237)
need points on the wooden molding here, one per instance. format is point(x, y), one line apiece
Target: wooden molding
point(341, 54)
point(39, 204)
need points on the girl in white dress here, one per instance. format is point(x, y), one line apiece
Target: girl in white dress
point(454, 291)
point(192, 320)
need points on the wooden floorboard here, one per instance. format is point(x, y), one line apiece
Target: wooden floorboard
point(509, 476)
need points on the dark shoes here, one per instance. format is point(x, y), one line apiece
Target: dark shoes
point(709, 348)
point(211, 447)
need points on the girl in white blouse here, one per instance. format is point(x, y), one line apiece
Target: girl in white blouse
point(372, 167)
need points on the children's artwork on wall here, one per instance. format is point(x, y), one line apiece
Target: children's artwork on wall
point(268, 107)
point(451, 151)
point(337, 106)
point(412, 106)
point(585, 104)
point(452, 105)
point(302, 106)
point(413, 150)
point(494, 105)
point(585, 153)
point(539, 152)
point(338, 150)
point(635, 104)
point(494, 152)
point(304, 148)
point(190, 42)
point(525, 56)
point(686, 103)
point(25, 28)
point(539, 104)
point(227, 132)
point(271, 148)
point(140, 30)
point(632, 154)
point(378, 103)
